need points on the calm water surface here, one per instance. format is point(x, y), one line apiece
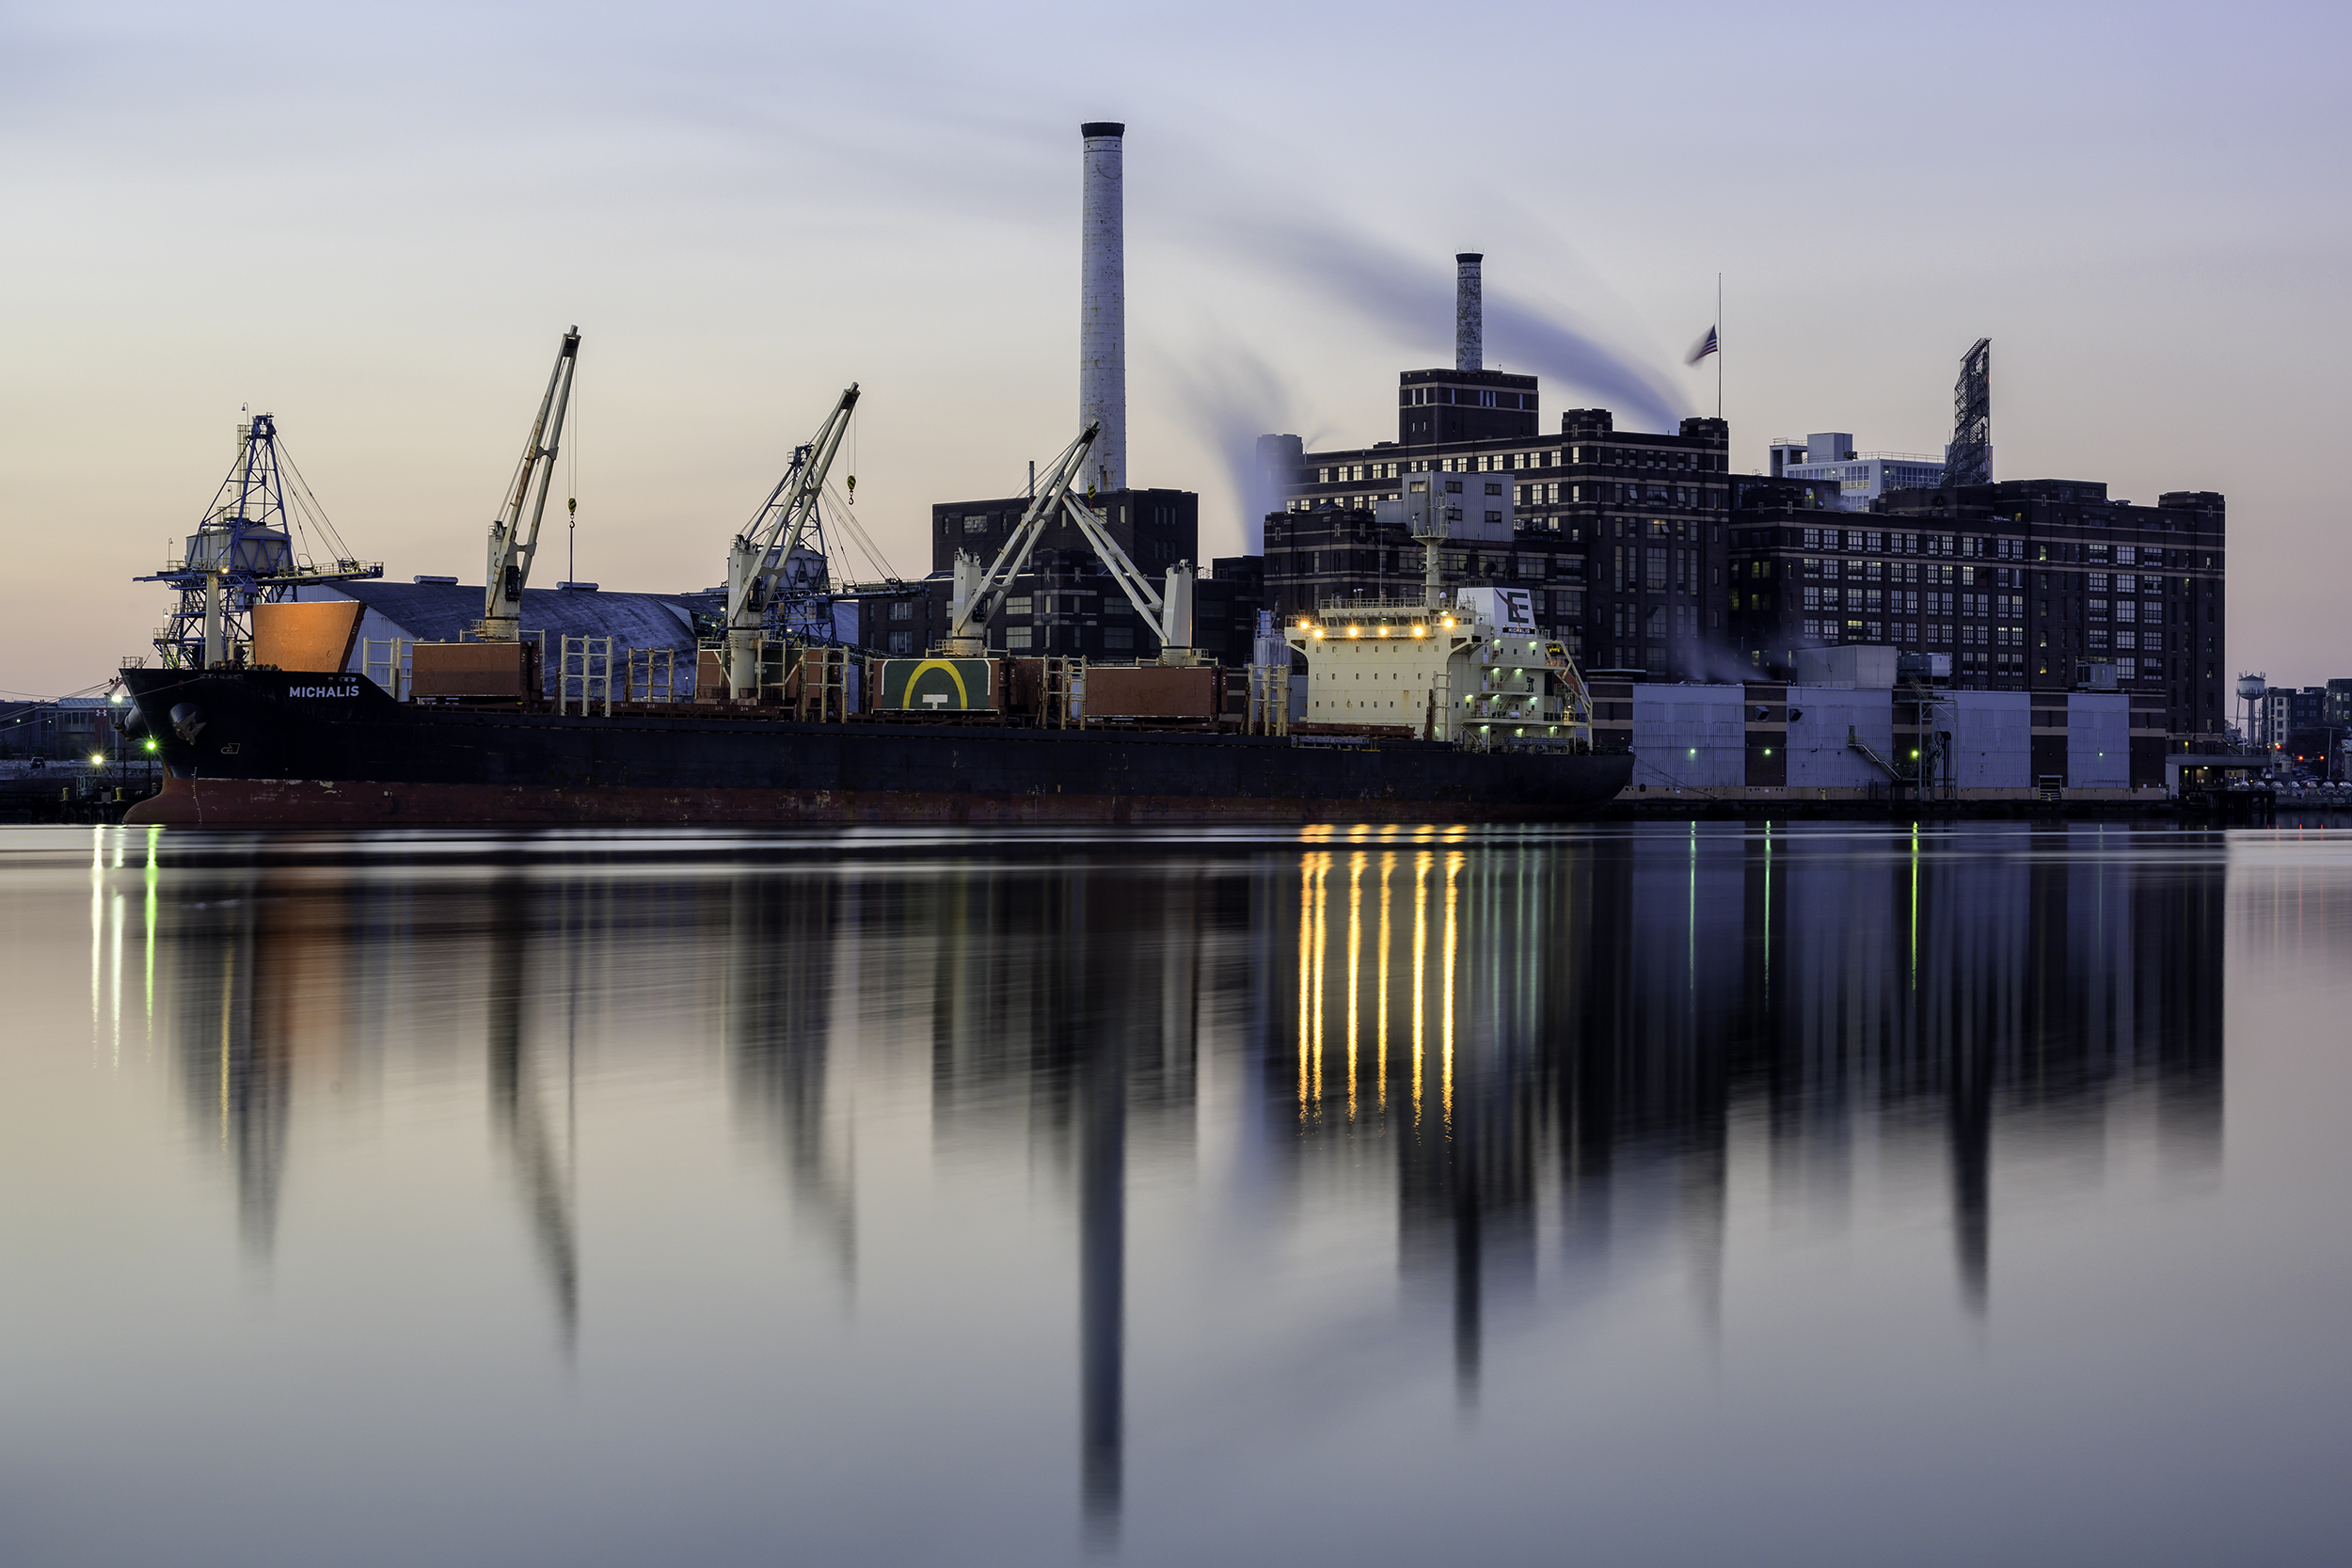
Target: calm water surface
point(1618, 1196)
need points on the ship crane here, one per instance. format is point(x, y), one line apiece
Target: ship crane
point(979, 593)
point(511, 548)
point(253, 546)
point(782, 536)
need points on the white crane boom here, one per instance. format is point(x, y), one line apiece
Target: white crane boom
point(980, 594)
point(511, 548)
point(765, 548)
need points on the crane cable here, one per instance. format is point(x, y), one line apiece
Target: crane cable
point(571, 505)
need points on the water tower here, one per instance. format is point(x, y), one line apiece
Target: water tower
point(2251, 690)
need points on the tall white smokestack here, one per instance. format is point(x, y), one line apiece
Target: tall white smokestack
point(1470, 311)
point(1102, 305)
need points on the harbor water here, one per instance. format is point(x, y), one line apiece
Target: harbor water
point(1630, 1195)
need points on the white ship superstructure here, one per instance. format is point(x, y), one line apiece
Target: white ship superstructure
point(1475, 672)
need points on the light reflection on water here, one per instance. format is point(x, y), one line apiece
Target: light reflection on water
point(1359, 1196)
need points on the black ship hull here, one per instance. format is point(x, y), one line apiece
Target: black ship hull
point(267, 748)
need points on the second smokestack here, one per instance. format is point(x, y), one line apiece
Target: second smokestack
point(1470, 311)
point(1102, 303)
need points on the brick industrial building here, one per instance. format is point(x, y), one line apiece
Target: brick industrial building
point(1643, 554)
point(2026, 584)
point(1620, 534)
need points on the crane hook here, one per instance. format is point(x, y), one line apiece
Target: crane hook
point(853, 489)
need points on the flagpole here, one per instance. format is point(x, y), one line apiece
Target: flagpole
point(1718, 345)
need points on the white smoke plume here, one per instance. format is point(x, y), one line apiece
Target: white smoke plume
point(1232, 397)
point(1413, 300)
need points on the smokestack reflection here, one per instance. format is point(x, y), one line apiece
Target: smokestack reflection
point(1069, 1001)
point(1102, 1138)
point(517, 1110)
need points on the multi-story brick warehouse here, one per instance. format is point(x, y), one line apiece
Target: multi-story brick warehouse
point(1622, 531)
point(2021, 583)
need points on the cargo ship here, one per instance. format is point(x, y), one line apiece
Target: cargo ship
point(1431, 709)
point(262, 748)
point(1445, 708)
point(1427, 709)
point(1406, 714)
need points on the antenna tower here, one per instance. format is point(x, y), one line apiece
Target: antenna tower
point(1969, 459)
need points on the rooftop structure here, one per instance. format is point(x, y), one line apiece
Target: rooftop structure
point(1860, 477)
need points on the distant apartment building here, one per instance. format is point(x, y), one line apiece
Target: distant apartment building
point(2340, 704)
point(2306, 727)
point(69, 729)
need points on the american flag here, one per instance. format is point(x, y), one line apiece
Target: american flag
point(1709, 344)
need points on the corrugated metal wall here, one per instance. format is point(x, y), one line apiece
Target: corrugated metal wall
point(1819, 754)
point(2098, 740)
point(1690, 737)
point(1993, 739)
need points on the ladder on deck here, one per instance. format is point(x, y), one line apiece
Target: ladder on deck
point(586, 673)
point(1063, 704)
point(654, 671)
point(822, 695)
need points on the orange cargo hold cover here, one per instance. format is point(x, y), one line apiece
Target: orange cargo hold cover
point(313, 638)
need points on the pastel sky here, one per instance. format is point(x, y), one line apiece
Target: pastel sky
point(375, 222)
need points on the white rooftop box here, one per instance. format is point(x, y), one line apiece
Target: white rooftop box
point(1856, 665)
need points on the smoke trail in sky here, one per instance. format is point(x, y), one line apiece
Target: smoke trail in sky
point(1232, 397)
point(1414, 300)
